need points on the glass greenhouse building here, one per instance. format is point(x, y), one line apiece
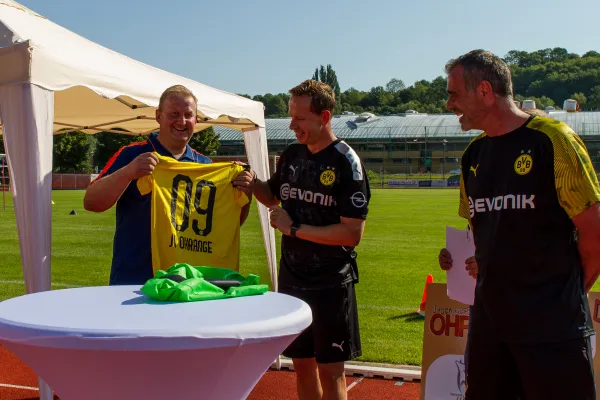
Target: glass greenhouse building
point(406, 146)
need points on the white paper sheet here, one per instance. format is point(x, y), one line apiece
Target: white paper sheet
point(460, 285)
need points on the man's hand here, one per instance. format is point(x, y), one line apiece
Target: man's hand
point(472, 267)
point(248, 182)
point(280, 220)
point(244, 180)
point(141, 166)
point(445, 259)
point(105, 192)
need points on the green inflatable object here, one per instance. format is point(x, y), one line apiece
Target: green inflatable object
point(183, 282)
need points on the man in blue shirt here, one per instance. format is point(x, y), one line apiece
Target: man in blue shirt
point(132, 255)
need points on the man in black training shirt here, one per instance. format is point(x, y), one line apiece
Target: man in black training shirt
point(324, 196)
point(530, 193)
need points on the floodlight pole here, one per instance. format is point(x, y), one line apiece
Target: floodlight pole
point(427, 155)
point(406, 162)
point(444, 143)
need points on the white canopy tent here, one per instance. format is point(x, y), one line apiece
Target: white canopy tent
point(52, 79)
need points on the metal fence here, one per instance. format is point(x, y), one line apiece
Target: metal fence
point(4, 178)
point(406, 162)
point(416, 163)
point(422, 151)
point(412, 162)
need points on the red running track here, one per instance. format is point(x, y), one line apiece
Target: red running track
point(18, 382)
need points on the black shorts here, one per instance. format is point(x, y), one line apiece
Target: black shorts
point(561, 370)
point(333, 335)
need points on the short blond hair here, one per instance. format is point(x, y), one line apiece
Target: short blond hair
point(322, 97)
point(176, 90)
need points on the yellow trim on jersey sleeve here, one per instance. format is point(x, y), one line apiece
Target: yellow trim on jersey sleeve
point(464, 210)
point(575, 179)
point(144, 184)
point(240, 197)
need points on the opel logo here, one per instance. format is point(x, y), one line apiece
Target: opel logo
point(358, 199)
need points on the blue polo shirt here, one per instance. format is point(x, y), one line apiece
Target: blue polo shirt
point(132, 255)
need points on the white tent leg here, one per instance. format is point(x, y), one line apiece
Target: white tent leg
point(258, 158)
point(27, 113)
point(46, 392)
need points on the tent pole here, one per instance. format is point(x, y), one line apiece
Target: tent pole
point(3, 186)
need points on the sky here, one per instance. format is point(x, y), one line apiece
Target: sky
point(269, 46)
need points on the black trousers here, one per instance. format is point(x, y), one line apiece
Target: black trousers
point(539, 371)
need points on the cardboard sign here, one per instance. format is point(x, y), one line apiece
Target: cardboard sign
point(445, 339)
point(444, 342)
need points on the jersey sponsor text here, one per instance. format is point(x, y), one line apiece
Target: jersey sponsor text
point(506, 202)
point(198, 246)
point(308, 196)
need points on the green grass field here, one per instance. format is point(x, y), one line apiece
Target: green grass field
point(404, 232)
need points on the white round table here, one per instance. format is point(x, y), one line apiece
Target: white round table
point(113, 342)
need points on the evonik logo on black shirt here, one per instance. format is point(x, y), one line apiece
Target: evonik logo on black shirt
point(506, 202)
point(287, 192)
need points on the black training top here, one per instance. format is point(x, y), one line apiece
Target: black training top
point(520, 191)
point(317, 189)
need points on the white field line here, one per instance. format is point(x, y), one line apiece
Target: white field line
point(8, 385)
point(356, 382)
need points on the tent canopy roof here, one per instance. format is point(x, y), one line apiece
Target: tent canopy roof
point(97, 89)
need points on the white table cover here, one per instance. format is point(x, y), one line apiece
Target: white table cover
point(115, 342)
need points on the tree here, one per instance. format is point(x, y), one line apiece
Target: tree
point(548, 76)
point(205, 141)
point(352, 97)
point(554, 73)
point(594, 99)
point(108, 143)
point(522, 58)
point(591, 53)
point(72, 152)
point(328, 76)
point(276, 106)
point(378, 96)
point(2, 151)
point(580, 98)
point(540, 102)
point(394, 85)
point(543, 102)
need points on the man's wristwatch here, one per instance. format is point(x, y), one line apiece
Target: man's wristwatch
point(294, 228)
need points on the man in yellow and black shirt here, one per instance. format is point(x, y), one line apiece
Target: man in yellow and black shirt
point(531, 196)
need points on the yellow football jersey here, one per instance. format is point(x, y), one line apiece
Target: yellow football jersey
point(195, 213)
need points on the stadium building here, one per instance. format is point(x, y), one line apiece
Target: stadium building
point(409, 147)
